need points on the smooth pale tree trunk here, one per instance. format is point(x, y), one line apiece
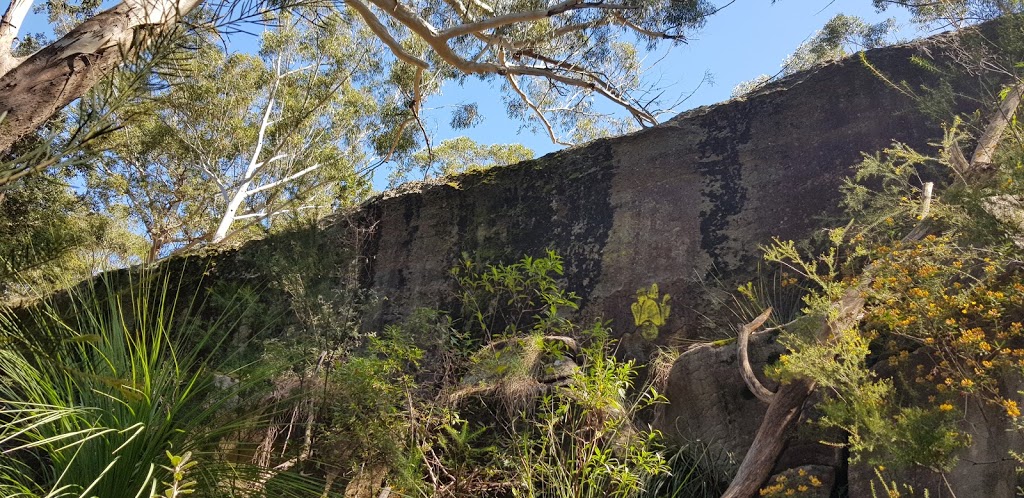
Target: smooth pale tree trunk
point(32, 90)
point(10, 22)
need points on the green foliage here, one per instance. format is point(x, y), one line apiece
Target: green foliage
point(649, 314)
point(457, 155)
point(954, 12)
point(51, 238)
point(1019, 458)
point(367, 398)
point(179, 486)
point(99, 387)
point(183, 154)
point(840, 37)
point(563, 431)
point(694, 471)
point(583, 442)
point(507, 300)
point(942, 315)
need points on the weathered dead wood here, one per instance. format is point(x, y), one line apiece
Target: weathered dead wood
point(990, 137)
point(785, 406)
point(742, 342)
point(782, 414)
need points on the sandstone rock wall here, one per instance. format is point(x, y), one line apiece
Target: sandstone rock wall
point(679, 204)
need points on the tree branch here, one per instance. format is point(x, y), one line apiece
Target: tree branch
point(993, 132)
point(438, 43)
point(242, 189)
point(518, 17)
point(268, 214)
point(282, 181)
point(276, 158)
point(786, 404)
point(644, 31)
point(483, 6)
point(540, 115)
point(48, 80)
point(746, 371)
point(382, 32)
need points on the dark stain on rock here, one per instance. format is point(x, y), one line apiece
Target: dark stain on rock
point(368, 243)
point(722, 190)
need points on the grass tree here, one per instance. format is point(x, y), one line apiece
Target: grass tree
point(114, 392)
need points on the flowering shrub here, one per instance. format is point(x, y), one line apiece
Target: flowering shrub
point(942, 313)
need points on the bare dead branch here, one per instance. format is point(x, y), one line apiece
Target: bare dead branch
point(993, 132)
point(746, 371)
point(926, 200)
point(786, 404)
point(782, 413)
point(282, 181)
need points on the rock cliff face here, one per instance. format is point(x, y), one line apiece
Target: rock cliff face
point(679, 204)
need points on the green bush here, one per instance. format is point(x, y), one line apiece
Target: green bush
point(101, 384)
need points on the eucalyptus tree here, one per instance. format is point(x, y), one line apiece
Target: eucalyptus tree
point(241, 142)
point(840, 37)
point(37, 86)
point(552, 57)
point(953, 13)
point(51, 238)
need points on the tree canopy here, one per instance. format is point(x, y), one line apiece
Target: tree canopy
point(553, 57)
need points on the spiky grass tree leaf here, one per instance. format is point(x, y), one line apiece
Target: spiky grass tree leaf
point(102, 383)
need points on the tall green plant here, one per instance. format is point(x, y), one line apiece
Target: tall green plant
point(511, 299)
point(100, 384)
point(583, 441)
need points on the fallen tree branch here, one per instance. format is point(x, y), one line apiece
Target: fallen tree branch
point(785, 406)
point(782, 413)
point(746, 371)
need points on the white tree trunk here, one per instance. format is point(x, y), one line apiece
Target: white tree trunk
point(10, 24)
point(243, 187)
